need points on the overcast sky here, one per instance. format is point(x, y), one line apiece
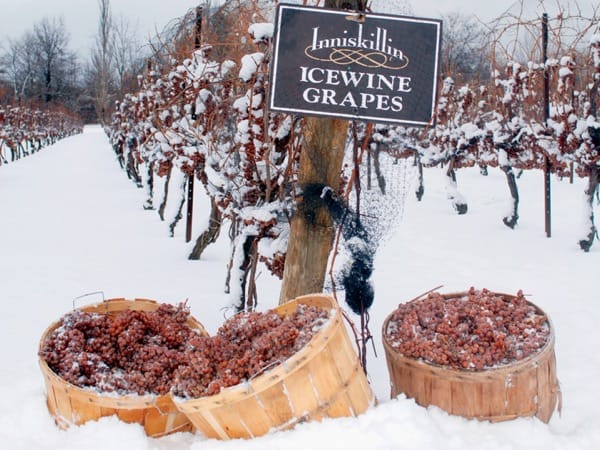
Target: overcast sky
point(81, 16)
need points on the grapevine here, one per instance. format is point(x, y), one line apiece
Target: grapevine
point(25, 130)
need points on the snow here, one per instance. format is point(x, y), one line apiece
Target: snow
point(261, 31)
point(250, 64)
point(564, 72)
point(72, 223)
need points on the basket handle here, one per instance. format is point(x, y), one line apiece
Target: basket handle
point(87, 295)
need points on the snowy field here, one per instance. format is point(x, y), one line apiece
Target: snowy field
point(71, 223)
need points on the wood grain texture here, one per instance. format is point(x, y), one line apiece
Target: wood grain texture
point(311, 229)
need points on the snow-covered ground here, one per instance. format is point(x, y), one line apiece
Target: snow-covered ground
point(71, 223)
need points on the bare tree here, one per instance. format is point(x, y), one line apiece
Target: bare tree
point(101, 62)
point(464, 45)
point(18, 64)
point(40, 66)
point(392, 7)
point(127, 62)
point(52, 57)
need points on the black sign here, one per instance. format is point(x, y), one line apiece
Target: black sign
point(329, 62)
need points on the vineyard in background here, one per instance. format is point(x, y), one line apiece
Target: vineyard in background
point(203, 117)
point(25, 130)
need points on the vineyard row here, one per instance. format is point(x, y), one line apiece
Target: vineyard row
point(25, 130)
point(208, 119)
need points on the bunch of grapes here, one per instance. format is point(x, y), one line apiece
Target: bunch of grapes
point(478, 331)
point(127, 351)
point(142, 352)
point(245, 346)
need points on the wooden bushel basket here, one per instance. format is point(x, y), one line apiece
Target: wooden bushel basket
point(324, 379)
point(72, 405)
point(528, 387)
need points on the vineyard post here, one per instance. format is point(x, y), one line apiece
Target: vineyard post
point(190, 186)
point(312, 231)
point(547, 168)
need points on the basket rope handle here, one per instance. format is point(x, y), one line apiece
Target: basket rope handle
point(425, 293)
point(87, 295)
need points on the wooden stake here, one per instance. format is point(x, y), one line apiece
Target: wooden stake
point(190, 185)
point(547, 166)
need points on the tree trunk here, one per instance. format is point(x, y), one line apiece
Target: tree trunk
point(118, 148)
point(511, 219)
point(311, 228)
point(420, 191)
point(149, 186)
point(247, 245)
point(458, 201)
point(131, 169)
point(593, 180)
point(209, 235)
point(178, 213)
point(163, 203)
point(377, 165)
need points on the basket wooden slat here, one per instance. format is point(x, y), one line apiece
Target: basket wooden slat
point(130, 415)
point(524, 388)
point(71, 405)
point(324, 379)
point(276, 405)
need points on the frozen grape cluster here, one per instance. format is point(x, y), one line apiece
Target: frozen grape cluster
point(477, 331)
point(156, 352)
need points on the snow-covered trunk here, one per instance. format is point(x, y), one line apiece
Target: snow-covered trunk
point(21, 150)
point(181, 195)
point(459, 203)
point(148, 184)
point(162, 204)
point(374, 164)
point(420, 191)
point(14, 155)
point(130, 164)
point(118, 148)
point(210, 233)
point(378, 173)
point(590, 228)
point(241, 269)
point(132, 172)
point(511, 218)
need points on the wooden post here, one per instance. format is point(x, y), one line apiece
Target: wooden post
point(198, 29)
point(311, 231)
point(190, 208)
point(547, 168)
point(190, 184)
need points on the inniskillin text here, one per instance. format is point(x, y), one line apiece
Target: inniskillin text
point(322, 94)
